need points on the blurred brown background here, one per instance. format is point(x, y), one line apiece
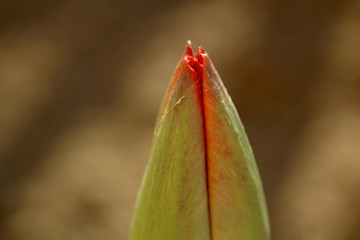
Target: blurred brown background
point(81, 83)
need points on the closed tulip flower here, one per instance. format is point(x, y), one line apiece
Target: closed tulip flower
point(202, 181)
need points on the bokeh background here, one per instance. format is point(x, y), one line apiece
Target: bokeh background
point(82, 81)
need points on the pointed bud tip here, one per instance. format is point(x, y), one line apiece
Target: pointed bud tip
point(195, 63)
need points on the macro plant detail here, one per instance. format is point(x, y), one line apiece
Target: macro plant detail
point(202, 180)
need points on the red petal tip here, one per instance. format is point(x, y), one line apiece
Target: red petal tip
point(199, 55)
point(188, 50)
point(194, 62)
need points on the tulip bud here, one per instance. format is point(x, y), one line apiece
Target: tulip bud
point(202, 180)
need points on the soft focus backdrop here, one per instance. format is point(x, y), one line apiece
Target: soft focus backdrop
point(82, 81)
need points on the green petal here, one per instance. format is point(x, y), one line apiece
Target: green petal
point(237, 204)
point(173, 199)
